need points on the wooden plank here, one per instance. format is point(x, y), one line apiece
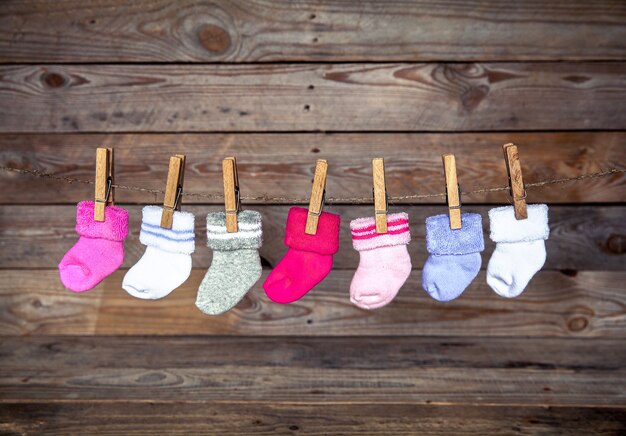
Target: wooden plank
point(313, 97)
point(280, 165)
point(587, 304)
point(506, 371)
point(328, 30)
point(582, 237)
point(265, 418)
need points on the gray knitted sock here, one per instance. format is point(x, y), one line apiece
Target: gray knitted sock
point(236, 264)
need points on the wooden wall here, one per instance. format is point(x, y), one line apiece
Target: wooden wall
point(279, 84)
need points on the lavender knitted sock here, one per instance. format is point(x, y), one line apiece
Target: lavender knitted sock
point(454, 258)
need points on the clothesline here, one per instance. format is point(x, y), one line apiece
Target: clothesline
point(295, 200)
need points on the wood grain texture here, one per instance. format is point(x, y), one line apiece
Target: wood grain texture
point(271, 418)
point(235, 31)
point(586, 304)
point(582, 237)
point(418, 370)
point(281, 165)
point(313, 97)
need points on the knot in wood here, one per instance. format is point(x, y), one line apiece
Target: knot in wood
point(213, 38)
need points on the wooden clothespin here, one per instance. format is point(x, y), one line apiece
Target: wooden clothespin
point(318, 195)
point(104, 182)
point(516, 182)
point(381, 205)
point(231, 193)
point(173, 189)
point(453, 192)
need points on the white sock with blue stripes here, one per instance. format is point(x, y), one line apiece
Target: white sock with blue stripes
point(166, 264)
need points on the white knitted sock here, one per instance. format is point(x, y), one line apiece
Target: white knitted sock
point(166, 264)
point(520, 248)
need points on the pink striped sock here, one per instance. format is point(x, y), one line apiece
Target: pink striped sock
point(384, 263)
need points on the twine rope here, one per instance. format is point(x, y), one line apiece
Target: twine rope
point(295, 200)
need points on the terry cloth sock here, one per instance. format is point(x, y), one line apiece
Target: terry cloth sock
point(308, 260)
point(166, 264)
point(520, 248)
point(99, 250)
point(236, 265)
point(454, 258)
point(384, 263)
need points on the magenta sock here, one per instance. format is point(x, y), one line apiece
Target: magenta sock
point(384, 263)
point(308, 260)
point(99, 250)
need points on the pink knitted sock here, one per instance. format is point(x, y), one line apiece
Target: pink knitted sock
point(308, 260)
point(99, 250)
point(384, 263)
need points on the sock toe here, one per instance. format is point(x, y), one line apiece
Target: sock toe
point(502, 284)
point(138, 290)
point(443, 293)
point(279, 289)
point(373, 301)
point(74, 276)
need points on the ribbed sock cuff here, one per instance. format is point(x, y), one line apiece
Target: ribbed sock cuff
point(364, 236)
point(179, 239)
point(114, 227)
point(506, 228)
point(325, 241)
point(248, 236)
point(442, 240)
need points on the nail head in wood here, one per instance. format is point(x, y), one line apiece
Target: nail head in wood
point(317, 197)
point(452, 191)
point(173, 190)
point(231, 193)
point(516, 181)
point(104, 182)
point(380, 195)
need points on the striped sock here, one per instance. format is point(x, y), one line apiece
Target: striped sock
point(236, 264)
point(166, 264)
point(384, 262)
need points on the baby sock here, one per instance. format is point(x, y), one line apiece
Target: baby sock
point(100, 249)
point(520, 248)
point(166, 264)
point(308, 260)
point(236, 265)
point(454, 258)
point(384, 262)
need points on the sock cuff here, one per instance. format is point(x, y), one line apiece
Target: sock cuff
point(114, 227)
point(325, 241)
point(248, 236)
point(179, 239)
point(506, 228)
point(364, 236)
point(441, 240)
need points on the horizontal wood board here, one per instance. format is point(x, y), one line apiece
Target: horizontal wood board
point(314, 97)
point(448, 371)
point(582, 237)
point(282, 165)
point(584, 304)
point(326, 30)
point(271, 418)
